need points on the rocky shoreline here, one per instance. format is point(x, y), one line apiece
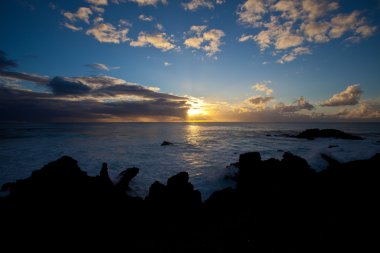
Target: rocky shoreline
point(277, 206)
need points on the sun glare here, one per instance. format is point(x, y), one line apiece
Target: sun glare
point(194, 111)
point(197, 110)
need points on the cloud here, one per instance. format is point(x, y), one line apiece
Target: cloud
point(125, 23)
point(263, 87)
point(260, 102)
point(103, 88)
point(6, 63)
point(97, 9)
point(350, 96)
point(157, 40)
point(298, 105)
point(97, 2)
point(285, 25)
point(61, 86)
point(251, 12)
point(107, 33)
point(142, 17)
point(159, 27)
point(97, 98)
point(365, 110)
point(206, 40)
point(195, 4)
point(24, 77)
point(99, 66)
point(167, 64)
point(245, 38)
point(72, 27)
point(149, 2)
point(83, 13)
point(293, 54)
point(21, 105)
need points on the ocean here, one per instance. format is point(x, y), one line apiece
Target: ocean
point(204, 150)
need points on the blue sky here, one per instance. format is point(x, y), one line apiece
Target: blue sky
point(207, 60)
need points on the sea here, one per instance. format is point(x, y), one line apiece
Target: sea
point(204, 150)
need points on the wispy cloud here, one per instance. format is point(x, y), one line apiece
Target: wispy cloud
point(207, 40)
point(107, 33)
point(73, 27)
point(293, 54)
point(101, 67)
point(149, 2)
point(350, 96)
point(157, 40)
point(195, 4)
point(97, 2)
point(142, 17)
point(291, 27)
point(167, 64)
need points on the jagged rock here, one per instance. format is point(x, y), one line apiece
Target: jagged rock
point(311, 134)
point(104, 177)
point(126, 176)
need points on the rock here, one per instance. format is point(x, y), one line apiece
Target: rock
point(126, 176)
point(249, 158)
point(178, 194)
point(166, 143)
point(331, 161)
point(333, 146)
point(103, 178)
point(311, 134)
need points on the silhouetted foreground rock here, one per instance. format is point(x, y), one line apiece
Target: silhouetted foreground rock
point(277, 206)
point(311, 134)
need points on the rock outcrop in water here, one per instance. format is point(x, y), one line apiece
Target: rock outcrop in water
point(166, 143)
point(311, 134)
point(277, 206)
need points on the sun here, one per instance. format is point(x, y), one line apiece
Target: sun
point(197, 109)
point(194, 111)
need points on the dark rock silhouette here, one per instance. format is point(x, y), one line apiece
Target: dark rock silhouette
point(333, 146)
point(311, 134)
point(126, 176)
point(276, 206)
point(166, 143)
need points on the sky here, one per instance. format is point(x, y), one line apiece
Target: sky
point(189, 60)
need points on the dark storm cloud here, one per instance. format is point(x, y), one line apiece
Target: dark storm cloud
point(22, 105)
point(25, 77)
point(5, 63)
point(97, 98)
point(100, 86)
point(61, 87)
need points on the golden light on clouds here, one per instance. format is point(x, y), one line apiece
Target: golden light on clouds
point(198, 110)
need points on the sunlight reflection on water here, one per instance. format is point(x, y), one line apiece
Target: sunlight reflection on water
point(202, 149)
